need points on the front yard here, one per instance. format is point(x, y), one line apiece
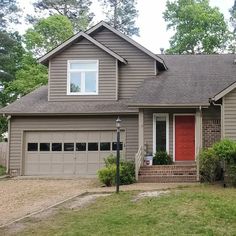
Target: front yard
point(198, 210)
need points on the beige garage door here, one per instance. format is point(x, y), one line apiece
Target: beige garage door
point(68, 153)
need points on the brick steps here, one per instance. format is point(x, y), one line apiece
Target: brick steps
point(184, 172)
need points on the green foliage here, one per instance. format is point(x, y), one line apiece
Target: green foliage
point(77, 11)
point(209, 166)
point(2, 170)
point(3, 127)
point(107, 175)
point(162, 158)
point(47, 34)
point(231, 174)
point(121, 15)
point(199, 28)
point(9, 13)
point(225, 149)
point(11, 54)
point(28, 78)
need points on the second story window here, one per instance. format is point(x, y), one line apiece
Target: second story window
point(82, 77)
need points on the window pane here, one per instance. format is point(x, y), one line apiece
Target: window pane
point(90, 81)
point(160, 135)
point(114, 146)
point(80, 146)
point(56, 147)
point(68, 146)
point(75, 82)
point(32, 147)
point(105, 146)
point(44, 147)
point(92, 146)
point(83, 65)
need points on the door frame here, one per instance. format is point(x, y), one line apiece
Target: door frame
point(166, 115)
point(195, 136)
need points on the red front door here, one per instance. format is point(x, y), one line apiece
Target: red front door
point(185, 138)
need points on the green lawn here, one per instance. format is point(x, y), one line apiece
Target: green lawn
point(2, 170)
point(203, 210)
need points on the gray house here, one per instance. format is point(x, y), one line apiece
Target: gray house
point(180, 103)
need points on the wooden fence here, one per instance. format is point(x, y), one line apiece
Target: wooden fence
point(3, 153)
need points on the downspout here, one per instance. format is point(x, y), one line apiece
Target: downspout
point(8, 140)
point(221, 115)
point(200, 142)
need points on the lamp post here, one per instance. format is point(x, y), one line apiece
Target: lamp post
point(118, 122)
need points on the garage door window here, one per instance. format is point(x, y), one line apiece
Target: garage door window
point(92, 146)
point(32, 147)
point(56, 147)
point(80, 147)
point(105, 146)
point(114, 146)
point(44, 147)
point(68, 146)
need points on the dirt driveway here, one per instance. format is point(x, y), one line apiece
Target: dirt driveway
point(19, 197)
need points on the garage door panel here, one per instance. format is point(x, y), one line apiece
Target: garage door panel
point(81, 161)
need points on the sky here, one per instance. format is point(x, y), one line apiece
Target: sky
point(153, 33)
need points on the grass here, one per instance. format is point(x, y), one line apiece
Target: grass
point(2, 170)
point(203, 210)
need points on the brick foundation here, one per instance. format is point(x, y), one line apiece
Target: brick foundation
point(211, 131)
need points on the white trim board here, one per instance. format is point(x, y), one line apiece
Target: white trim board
point(224, 92)
point(44, 59)
point(183, 114)
point(128, 39)
point(166, 115)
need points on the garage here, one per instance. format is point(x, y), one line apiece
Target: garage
point(79, 153)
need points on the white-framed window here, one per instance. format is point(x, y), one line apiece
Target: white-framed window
point(82, 77)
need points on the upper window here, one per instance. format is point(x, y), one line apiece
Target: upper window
point(82, 77)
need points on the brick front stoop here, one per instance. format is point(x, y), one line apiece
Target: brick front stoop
point(176, 173)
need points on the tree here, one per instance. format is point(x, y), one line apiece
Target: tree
point(31, 76)
point(11, 53)
point(232, 44)
point(199, 28)
point(233, 16)
point(77, 11)
point(9, 10)
point(121, 14)
point(47, 34)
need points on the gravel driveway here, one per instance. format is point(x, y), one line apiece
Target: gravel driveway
point(19, 197)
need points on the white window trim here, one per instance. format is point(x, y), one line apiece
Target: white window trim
point(79, 70)
point(165, 115)
point(184, 114)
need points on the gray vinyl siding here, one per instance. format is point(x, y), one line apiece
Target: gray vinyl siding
point(140, 66)
point(229, 113)
point(21, 124)
point(83, 50)
point(148, 126)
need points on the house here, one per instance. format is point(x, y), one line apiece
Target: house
point(180, 103)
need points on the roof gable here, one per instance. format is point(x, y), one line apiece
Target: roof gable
point(44, 59)
point(128, 39)
point(224, 92)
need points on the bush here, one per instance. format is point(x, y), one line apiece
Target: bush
point(210, 169)
point(225, 150)
point(107, 175)
point(162, 158)
point(2, 170)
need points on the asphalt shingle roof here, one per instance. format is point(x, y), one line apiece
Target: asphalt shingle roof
point(36, 103)
point(190, 79)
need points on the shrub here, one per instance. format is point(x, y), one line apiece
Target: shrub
point(2, 170)
point(230, 177)
point(162, 158)
point(225, 150)
point(107, 175)
point(209, 166)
